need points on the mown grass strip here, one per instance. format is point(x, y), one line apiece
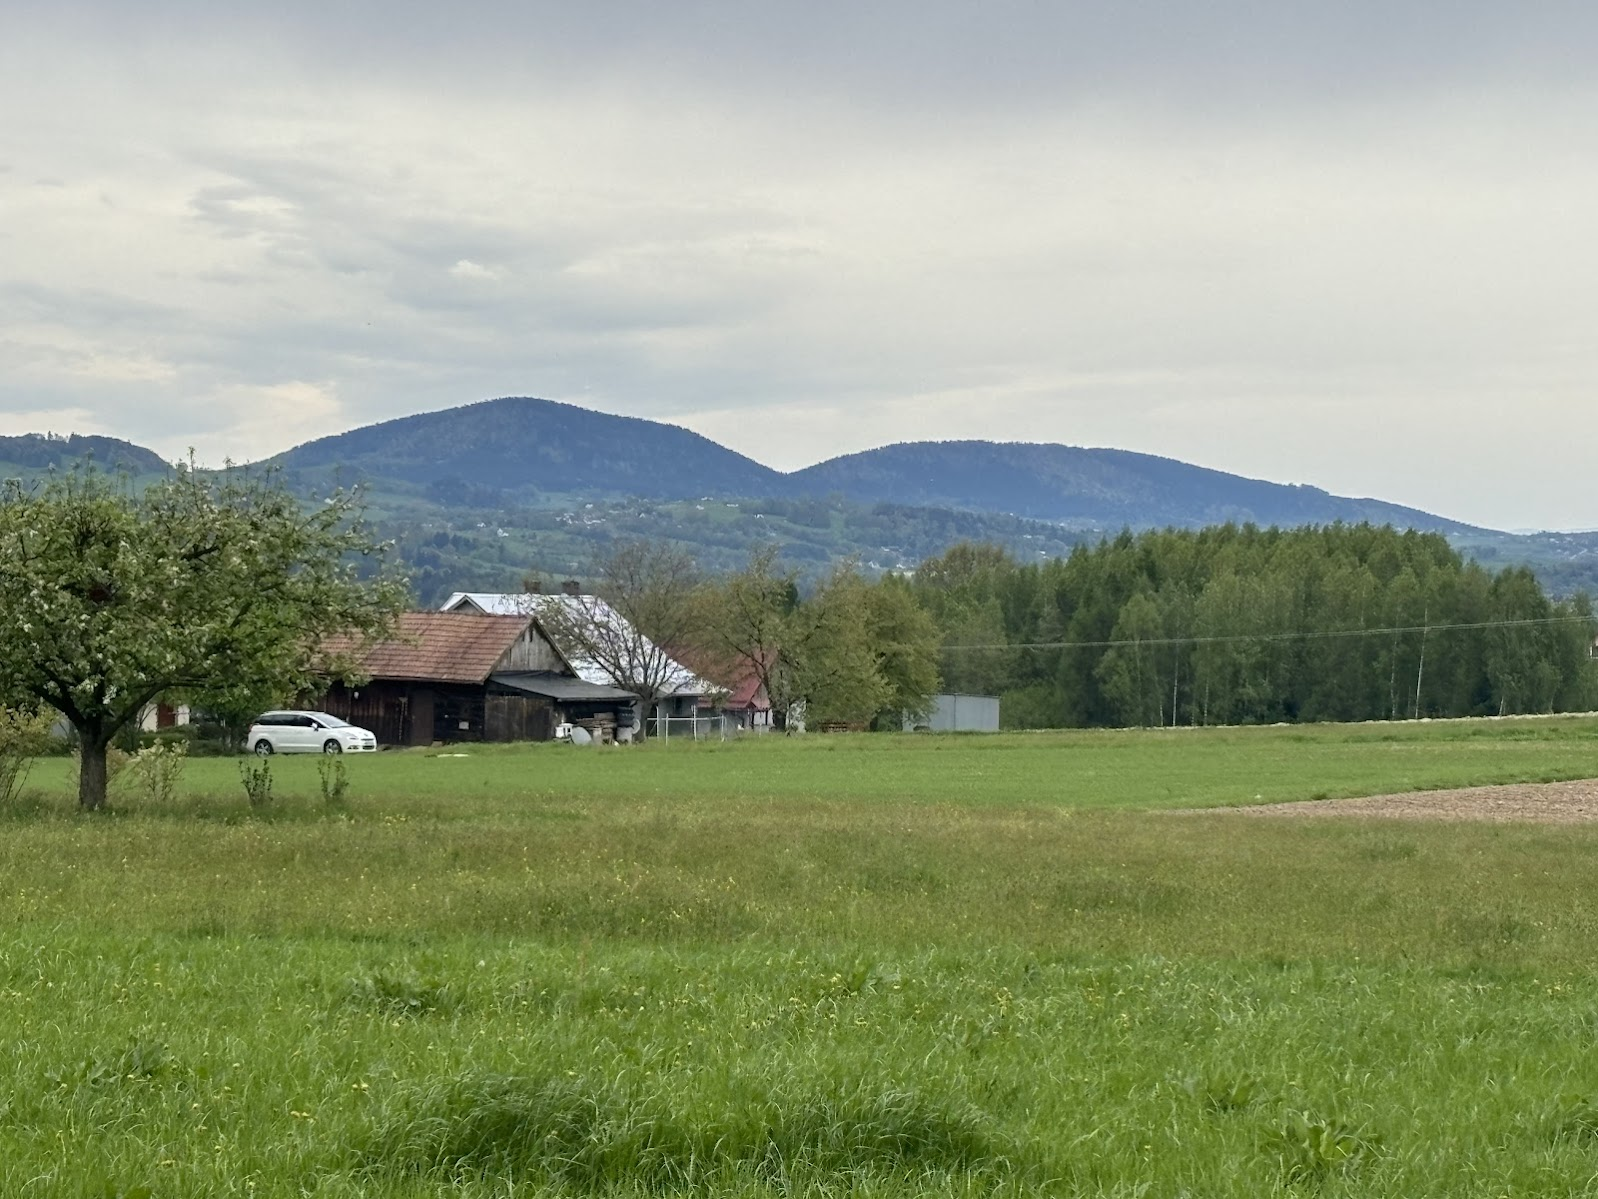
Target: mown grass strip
point(1074, 769)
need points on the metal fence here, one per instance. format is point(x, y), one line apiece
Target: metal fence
point(697, 728)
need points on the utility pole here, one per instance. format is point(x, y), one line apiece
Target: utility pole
point(1425, 627)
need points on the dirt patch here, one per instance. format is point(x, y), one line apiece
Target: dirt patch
point(1531, 803)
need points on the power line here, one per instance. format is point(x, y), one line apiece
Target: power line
point(1303, 635)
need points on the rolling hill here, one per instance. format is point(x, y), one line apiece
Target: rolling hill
point(1086, 488)
point(521, 448)
point(35, 453)
point(476, 496)
point(525, 447)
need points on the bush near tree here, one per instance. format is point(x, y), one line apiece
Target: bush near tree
point(23, 736)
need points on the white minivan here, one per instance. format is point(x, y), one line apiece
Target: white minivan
point(307, 733)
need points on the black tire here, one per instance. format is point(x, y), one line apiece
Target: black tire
point(263, 748)
point(331, 746)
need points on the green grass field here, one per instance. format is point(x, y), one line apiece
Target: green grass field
point(875, 966)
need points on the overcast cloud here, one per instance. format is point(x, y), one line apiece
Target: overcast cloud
point(1350, 245)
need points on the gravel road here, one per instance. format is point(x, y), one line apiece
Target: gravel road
point(1533, 803)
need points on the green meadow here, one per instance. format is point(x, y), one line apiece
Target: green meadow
point(873, 966)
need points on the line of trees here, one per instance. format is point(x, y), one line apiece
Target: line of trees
point(1233, 625)
point(852, 652)
point(1227, 625)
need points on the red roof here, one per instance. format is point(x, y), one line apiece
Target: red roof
point(733, 672)
point(436, 647)
point(748, 694)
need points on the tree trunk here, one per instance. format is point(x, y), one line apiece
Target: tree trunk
point(91, 773)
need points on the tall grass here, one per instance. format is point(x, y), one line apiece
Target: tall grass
point(519, 985)
point(885, 876)
point(199, 1065)
point(600, 1134)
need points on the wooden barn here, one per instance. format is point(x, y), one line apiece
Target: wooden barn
point(455, 676)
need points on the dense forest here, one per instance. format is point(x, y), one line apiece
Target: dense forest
point(1238, 625)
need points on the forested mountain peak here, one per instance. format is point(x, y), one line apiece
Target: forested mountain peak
point(477, 495)
point(42, 451)
point(524, 446)
point(1095, 488)
point(518, 443)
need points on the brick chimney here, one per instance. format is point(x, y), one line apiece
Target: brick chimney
point(572, 587)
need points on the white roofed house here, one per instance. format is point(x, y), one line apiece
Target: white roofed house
point(604, 647)
point(451, 677)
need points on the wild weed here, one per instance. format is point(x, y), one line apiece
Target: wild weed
point(334, 778)
point(143, 1061)
point(257, 779)
point(401, 995)
point(1310, 1148)
point(1577, 1118)
point(1224, 1094)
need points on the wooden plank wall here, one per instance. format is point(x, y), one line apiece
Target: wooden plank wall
point(411, 714)
point(519, 718)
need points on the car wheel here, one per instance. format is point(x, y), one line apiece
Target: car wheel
point(263, 748)
point(331, 746)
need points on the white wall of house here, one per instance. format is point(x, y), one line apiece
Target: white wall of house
point(149, 721)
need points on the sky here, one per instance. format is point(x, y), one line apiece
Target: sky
point(1345, 244)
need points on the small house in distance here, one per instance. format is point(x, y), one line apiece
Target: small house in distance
point(685, 696)
point(742, 697)
point(469, 677)
point(960, 714)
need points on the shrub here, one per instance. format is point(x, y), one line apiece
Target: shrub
point(256, 775)
point(155, 770)
point(212, 739)
point(23, 737)
point(334, 777)
point(201, 740)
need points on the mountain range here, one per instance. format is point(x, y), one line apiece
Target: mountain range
point(475, 496)
point(528, 447)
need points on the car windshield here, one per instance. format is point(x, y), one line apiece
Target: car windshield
point(329, 722)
